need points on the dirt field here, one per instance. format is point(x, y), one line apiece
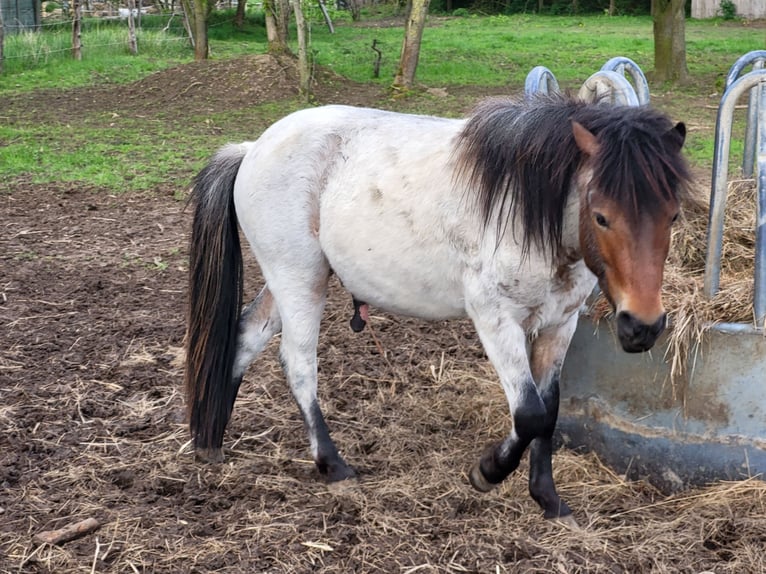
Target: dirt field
point(92, 291)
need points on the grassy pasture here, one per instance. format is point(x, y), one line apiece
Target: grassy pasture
point(493, 52)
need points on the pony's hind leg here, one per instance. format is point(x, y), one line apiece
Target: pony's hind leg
point(259, 322)
point(301, 307)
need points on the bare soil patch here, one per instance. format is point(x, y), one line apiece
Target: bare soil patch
point(92, 292)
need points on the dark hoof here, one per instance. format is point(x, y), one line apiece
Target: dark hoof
point(477, 479)
point(553, 507)
point(209, 454)
point(337, 472)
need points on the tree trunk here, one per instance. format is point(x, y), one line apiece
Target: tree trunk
point(304, 61)
point(355, 6)
point(283, 20)
point(612, 8)
point(132, 43)
point(201, 12)
point(186, 10)
point(271, 25)
point(197, 12)
point(76, 31)
point(669, 41)
point(326, 16)
point(277, 14)
point(413, 34)
point(239, 18)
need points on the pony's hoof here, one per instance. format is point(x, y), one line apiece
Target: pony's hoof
point(339, 473)
point(567, 521)
point(209, 454)
point(477, 479)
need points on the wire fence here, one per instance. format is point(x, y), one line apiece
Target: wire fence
point(85, 45)
point(36, 46)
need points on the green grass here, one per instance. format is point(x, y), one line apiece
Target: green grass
point(468, 51)
point(43, 60)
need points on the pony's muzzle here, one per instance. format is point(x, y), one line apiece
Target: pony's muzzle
point(635, 335)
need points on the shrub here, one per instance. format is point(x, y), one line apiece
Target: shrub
point(727, 9)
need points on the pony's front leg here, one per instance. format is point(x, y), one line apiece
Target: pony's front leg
point(504, 341)
point(548, 351)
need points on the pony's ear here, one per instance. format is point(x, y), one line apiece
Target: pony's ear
point(675, 136)
point(585, 140)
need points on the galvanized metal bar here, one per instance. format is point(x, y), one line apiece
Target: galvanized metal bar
point(754, 109)
point(759, 302)
point(718, 190)
point(608, 85)
point(743, 62)
point(540, 80)
point(621, 65)
point(757, 58)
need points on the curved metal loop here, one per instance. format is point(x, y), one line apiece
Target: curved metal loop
point(610, 86)
point(756, 82)
point(540, 80)
point(623, 65)
point(757, 58)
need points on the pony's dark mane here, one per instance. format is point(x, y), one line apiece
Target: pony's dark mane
point(520, 157)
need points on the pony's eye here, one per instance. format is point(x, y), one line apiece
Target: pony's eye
point(601, 221)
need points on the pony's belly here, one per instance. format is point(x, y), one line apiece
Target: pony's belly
point(397, 291)
point(398, 279)
point(390, 220)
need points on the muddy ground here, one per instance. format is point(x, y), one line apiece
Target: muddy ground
point(92, 294)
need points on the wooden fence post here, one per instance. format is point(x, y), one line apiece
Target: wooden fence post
point(76, 30)
point(132, 43)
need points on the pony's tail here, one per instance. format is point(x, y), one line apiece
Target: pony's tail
point(215, 299)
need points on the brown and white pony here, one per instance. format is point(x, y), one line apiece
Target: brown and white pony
point(510, 217)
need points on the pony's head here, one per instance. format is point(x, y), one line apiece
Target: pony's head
point(525, 158)
point(629, 185)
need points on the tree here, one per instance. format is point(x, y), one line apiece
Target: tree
point(239, 17)
point(417, 10)
point(355, 6)
point(669, 41)
point(304, 62)
point(277, 13)
point(197, 12)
